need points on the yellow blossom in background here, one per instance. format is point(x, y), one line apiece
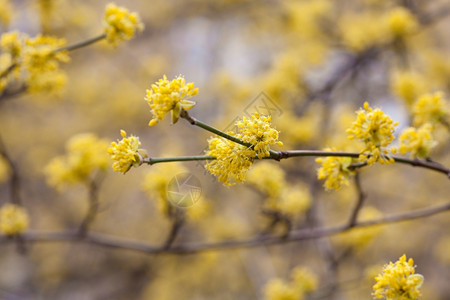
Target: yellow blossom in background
point(401, 22)
point(4, 170)
point(268, 177)
point(13, 219)
point(6, 12)
point(86, 154)
point(11, 43)
point(334, 170)
point(277, 289)
point(126, 153)
point(430, 108)
point(398, 281)
point(258, 132)
point(232, 160)
point(408, 85)
point(294, 201)
point(40, 53)
point(199, 210)
point(359, 238)
point(417, 141)
point(362, 31)
point(120, 24)
point(304, 279)
point(156, 184)
point(376, 130)
point(165, 96)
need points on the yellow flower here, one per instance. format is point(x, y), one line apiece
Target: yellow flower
point(408, 86)
point(258, 132)
point(120, 24)
point(171, 96)
point(40, 54)
point(126, 153)
point(375, 129)
point(5, 12)
point(417, 141)
point(277, 289)
point(334, 170)
point(430, 108)
point(13, 219)
point(268, 177)
point(232, 160)
point(11, 42)
point(304, 279)
point(398, 281)
point(401, 22)
point(86, 153)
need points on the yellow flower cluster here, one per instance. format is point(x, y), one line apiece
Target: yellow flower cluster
point(417, 141)
point(258, 132)
point(408, 86)
point(334, 170)
point(120, 24)
point(86, 154)
point(126, 153)
point(13, 219)
point(398, 281)
point(375, 129)
point(171, 96)
point(364, 30)
point(302, 281)
point(156, 184)
point(5, 12)
point(401, 22)
point(232, 160)
point(430, 108)
point(36, 59)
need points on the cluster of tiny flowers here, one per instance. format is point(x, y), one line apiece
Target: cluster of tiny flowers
point(126, 153)
point(430, 108)
point(335, 171)
point(232, 160)
point(120, 24)
point(86, 153)
point(398, 281)
point(5, 12)
point(36, 59)
point(258, 132)
point(165, 96)
point(408, 86)
point(13, 219)
point(302, 281)
point(401, 22)
point(376, 130)
point(417, 141)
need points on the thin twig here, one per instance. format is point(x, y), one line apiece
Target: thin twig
point(14, 175)
point(359, 203)
point(93, 208)
point(177, 223)
point(298, 235)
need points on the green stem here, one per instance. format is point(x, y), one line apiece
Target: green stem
point(156, 160)
point(81, 44)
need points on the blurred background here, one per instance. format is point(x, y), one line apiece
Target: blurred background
point(311, 64)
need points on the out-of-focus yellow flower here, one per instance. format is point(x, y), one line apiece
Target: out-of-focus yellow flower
point(13, 219)
point(199, 210)
point(12, 43)
point(232, 160)
point(334, 170)
point(126, 153)
point(277, 289)
point(170, 96)
point(6, 12)
point(417, 141)
point(40, 54)
point(268, 177)
point(408, 86)
point(304, 279)
point(359, 238)
point(376, 130)
point(294, 201)
point(258, 132)
point(430, 108)
point(401, 22)
point(86, 153)
point(120, 24)
point(4, 170)
point(156, 184)
point(398, 281)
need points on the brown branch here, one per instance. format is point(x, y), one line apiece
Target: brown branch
point(298, 235)
point(93, 209)
point(177, 223)
point(14, 177)
point(359, 203)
